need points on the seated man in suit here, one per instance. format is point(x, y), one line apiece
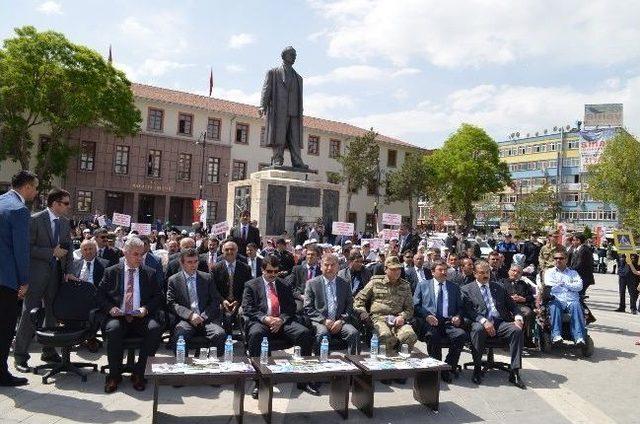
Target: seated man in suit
point(466, 266)
point(253, 260)
point(355, 273)
point(131, 296)
point(492, 311)
point(193, 297)
point(269, 309)
point(89, 267)
point(302, 273)
point(230, 276)
point(101, 236)
point(328, 302)
point(287, 261)
point(522, 293)
point(409, 271)
point(438, 307)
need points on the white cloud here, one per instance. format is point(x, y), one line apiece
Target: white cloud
point(501, 110)
point(160, 35)
point(238, 41)
point(150, 69)
point(322, 104)
point(400, 94)
point(359, 73)
point(237, 95)
point(234, 68)
point(50, 8)
point(483, 32)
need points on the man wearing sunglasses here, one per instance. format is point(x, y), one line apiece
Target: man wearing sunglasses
point(50, 241)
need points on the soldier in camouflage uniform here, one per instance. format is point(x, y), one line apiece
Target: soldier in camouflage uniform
point(391, 306)
point(545, 259)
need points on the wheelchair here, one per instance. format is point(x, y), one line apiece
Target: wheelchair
point(542, 327)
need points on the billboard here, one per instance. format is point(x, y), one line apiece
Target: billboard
point(603, 114)
point(592, 143)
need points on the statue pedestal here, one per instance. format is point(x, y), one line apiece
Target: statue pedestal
point(276, 198)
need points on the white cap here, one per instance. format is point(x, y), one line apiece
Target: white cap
point(348, 242)
point(298, 247)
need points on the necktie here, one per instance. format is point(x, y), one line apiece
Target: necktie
point(86, 271)
point(56, 231)
point(128, 294)
point(331, 302)
point(101, 252)
point(440, 302)
point(244, 233)
point(230, 269)
point(193, 293)
point(309, 274)
point(488, 302)
point(273, 299)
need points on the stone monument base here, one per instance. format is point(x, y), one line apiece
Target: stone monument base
point(276, 198)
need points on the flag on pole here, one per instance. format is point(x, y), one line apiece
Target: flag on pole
point(110, 57)
point(211, 82)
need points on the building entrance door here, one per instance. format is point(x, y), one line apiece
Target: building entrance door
point(145, 209)
point(114, 203)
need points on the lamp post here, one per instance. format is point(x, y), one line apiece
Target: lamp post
point(202, 140)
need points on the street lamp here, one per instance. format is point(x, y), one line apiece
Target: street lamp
point(202, 140)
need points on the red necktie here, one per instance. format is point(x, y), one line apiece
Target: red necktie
point(275, 303)
point(128, 294)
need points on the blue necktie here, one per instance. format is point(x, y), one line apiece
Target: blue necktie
point(487, 301)
point(56, 231)
point(331, 304)
point(440, 303)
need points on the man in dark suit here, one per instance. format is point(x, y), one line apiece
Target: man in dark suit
point(408, 240)
point(408, 272)
point(328, 303)
point(438, 310)
point(269, 309)
point(582, 261)
point(245, 232)
point(302, 273)
point(466, 266)
point(50, 241)
point(355, 273)
point(111, 255)
point(89, 267)
point(287, 261)
point(207, 260)
point(131, 297)
point(14, 262)
point(493, 314)
point(230, 276)
point(173, 265)
point(253, 260)
point(523, 295)
point(195, 300)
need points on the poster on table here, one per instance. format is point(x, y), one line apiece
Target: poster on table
point(220, 228)
point(141, 228)
point(342, 228)
point(121, 220)
point(394, 219)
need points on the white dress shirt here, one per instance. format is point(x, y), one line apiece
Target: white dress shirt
point(136, 287)
point(53, 216)
point(491, 307)
point(252, 262)
point(83, 270)
point(445, 297)
point(192, 290)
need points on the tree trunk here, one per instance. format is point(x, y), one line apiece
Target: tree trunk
point(468, 218)
point(346, 213)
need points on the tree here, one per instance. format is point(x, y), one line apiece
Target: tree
point(466, 168)
point(537, 210)
point(47, 80)
point(409, 182)
point(615, 178)
point(359, 163)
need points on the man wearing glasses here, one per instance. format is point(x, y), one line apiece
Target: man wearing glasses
point(50, 241)
point(101, 236)
point(565, 286)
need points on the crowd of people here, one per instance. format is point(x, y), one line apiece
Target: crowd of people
point(340, 288)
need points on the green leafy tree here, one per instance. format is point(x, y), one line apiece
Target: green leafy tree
point(466, 168)
point(359, 163)
point(535, 211)
point(410, 182)
point(616, 178)
point(45, 80)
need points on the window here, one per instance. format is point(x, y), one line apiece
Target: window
point(154, 119)
point(239, 171)
point(213, 129)
point(185, 124)
point(334, 149)
point(521, 150)
point(184, 167)
point(353, 218)
point(212, 212)
point(242, 133)
point(573, 144)
point(571, 162)
point(570, 197)
point(153, 163)
point(372, 187)
point(84, 200)
point(313, 146)
point(87, 155)
point(528, 149)
point(213, 170)
point(122, 160)
point(392, 156)
point(263, 137)
point(370, 223)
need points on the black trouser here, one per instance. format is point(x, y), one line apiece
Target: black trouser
point(631, 285)
point(504, 330)
point(445, 330)
point(8, 319)
point(116, 329)
point(214, 333)
point(294, 332)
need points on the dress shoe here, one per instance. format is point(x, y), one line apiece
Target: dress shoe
point(634, 311)
point(22, 366)
point(138, 382)
point(93, 345)
point(8, 380)
point(446, 376)
point(309, 388)
point(514, 378)
point(51, 357)
point(477, 375)
point(111, 383)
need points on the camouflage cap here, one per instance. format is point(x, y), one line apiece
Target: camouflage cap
point(392, 262)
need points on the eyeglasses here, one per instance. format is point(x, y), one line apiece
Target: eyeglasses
point(65, 203)
point(560, 258)
point(270, 271)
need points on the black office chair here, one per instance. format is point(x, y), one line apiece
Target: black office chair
point(490, 363)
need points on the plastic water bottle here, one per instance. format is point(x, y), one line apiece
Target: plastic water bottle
point(374, 346)
point(324, 349)
point(228, 350)
point(264, 351)
point(180, 351)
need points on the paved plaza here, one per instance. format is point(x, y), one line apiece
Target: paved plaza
point(561, 388)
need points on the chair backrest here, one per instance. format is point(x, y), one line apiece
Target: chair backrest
point(74, 301)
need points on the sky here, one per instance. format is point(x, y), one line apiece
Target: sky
point(411, 69)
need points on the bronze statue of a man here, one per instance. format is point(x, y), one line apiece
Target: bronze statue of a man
point(281, 102)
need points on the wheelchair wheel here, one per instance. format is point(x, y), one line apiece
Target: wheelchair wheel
point(544, 342)
point(588, 348)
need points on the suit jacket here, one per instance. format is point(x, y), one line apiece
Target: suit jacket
point(112, 286)
point(253, 236)
point(475, 309)
point(582, 262)
point(14, 244)
point(376, 268)
point(411, 276)
point(424, 299)
point(254, 301)
point(411, 243)
point(315, 300)
point(365, 276)
point(287, 261)
point(209, 300)
point(111, 255)
point(42, 244)
point(241, 275)
point(99, 265)
point(154, 263)
point(298, 278)
point(521, 288)
point(258, 265)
